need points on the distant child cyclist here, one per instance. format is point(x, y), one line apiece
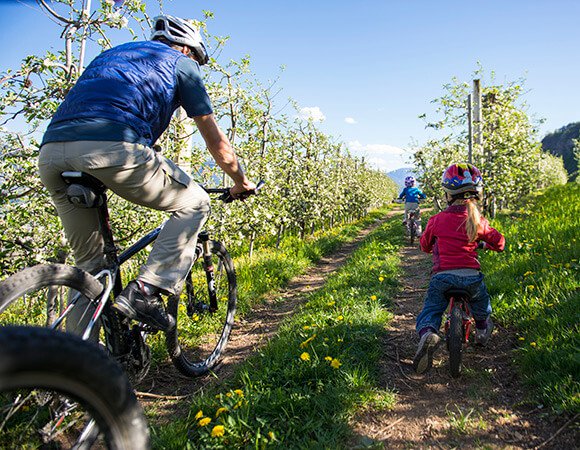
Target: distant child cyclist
point(453, 236)
point(411, 194)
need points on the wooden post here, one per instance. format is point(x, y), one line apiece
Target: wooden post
point(469, 131)
point(477, 128)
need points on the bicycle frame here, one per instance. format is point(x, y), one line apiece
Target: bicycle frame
point(462, 303)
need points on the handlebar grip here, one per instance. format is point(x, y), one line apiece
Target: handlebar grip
point(227, 197)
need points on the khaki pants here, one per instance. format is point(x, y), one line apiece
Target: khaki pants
point(410, 206)
point(139, 175)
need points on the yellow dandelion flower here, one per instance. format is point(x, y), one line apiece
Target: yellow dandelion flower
point(521, 338)
point(195, 318)
point(228, 394)
point(218, 431)
point(306, 327)
point(381, 279)
point(328, 358)
point(339, 318)
point(529, 272)
point(533, 344)
point(237, 405)
point(271, 435)
point(199, 414)
point(531, 287)
point(203, 422)
point(307, 341)
point(239, 392)
point(340, 340)
point(332, 303)
point(373, 297)
point(305, 356)
point(335, 363)
point(220, 410)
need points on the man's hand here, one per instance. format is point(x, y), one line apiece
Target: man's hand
point(240, 188)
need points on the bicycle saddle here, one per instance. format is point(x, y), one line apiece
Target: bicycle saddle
point(457, 293)
point(84, 190)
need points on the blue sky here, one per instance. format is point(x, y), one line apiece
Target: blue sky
point(372, 67)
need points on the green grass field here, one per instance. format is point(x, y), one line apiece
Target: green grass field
point(535, 288)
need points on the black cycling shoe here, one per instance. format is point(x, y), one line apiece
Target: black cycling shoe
point(132, 302)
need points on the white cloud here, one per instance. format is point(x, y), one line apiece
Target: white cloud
point(350, 120)
point(312, 113)
point(382, 156)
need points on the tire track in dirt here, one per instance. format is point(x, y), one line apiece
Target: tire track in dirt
point(481, 409)
point(168, 394)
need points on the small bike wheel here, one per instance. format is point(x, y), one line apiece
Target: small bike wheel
point(58, 391)
point(412, 232)
point(39, 295)
point(455, 341)
point(203, 325)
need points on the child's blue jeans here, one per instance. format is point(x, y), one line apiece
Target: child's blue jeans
point(436, 304)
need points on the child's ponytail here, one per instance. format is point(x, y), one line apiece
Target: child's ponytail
point(473, 219)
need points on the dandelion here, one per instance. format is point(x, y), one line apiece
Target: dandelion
point(306, 327)
point(305, 356)
point(328, 358)
point(332, 303)
point(533, 344)
point(340, 340)
point(531, 287)
point(529, 272)
point(373, 297)
point(199, 414)
point(228, 394)
point(307, 341)
point(239, 392)
point(335, 363)
point(203, 422)
point(521, 338)
point(271, 435)
point(195, 318)
point(381, 279)
point(218, 431)
point(339, 318)
point(237, 405)
point(219, 411)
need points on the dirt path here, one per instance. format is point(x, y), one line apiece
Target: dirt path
point(168, 393)
point(481, 409)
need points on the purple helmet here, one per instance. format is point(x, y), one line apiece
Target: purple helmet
point(410, 181)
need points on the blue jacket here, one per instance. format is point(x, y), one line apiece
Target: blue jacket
point(133, 83)
point(412, 194)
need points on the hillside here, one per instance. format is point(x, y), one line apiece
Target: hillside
point(560, 143)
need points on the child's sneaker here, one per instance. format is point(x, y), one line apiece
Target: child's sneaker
point(482, 336)
point(424, 357)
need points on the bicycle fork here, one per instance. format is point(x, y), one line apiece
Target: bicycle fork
point(209, 270)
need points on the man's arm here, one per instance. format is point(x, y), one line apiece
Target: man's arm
point(221, 150)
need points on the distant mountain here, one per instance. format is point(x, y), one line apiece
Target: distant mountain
point(399, 175)
point(560, 143)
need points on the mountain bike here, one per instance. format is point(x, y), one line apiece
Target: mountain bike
point(67, 298)
point(412, 223)
point(458, 325)
point(58, 391)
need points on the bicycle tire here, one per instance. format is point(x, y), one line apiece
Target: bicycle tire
point(57, 386)
point(25, 295)
point(412, 232)
point(204, 334)
point(455, 341)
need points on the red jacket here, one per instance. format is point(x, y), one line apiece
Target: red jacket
point(446, 237)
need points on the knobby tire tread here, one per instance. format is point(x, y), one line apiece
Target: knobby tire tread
point(455, 341)
point(43, 358)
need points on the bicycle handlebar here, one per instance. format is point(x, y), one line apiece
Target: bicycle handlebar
point(226, 197)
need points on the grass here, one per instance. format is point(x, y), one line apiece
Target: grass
point(535, 287)
point(302, 388)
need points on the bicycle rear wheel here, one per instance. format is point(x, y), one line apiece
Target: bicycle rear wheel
point(455, 341)
point(58, 391)
point(203, 326)
point(39, 295)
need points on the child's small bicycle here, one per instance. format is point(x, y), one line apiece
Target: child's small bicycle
point(412, 223)
point(457, 327)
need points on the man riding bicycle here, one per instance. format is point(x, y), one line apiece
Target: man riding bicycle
point(107, 126)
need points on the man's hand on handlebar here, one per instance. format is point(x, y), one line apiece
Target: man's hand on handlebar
point(241, 191)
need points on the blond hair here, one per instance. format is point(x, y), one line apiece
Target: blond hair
point(473, 219)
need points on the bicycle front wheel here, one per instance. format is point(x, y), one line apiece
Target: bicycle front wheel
point(455, 341)
point(204, 312)
point(58, 391)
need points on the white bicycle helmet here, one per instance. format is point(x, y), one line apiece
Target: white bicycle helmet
point(181, 32)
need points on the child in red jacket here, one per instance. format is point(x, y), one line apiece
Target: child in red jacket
point(453, 236)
